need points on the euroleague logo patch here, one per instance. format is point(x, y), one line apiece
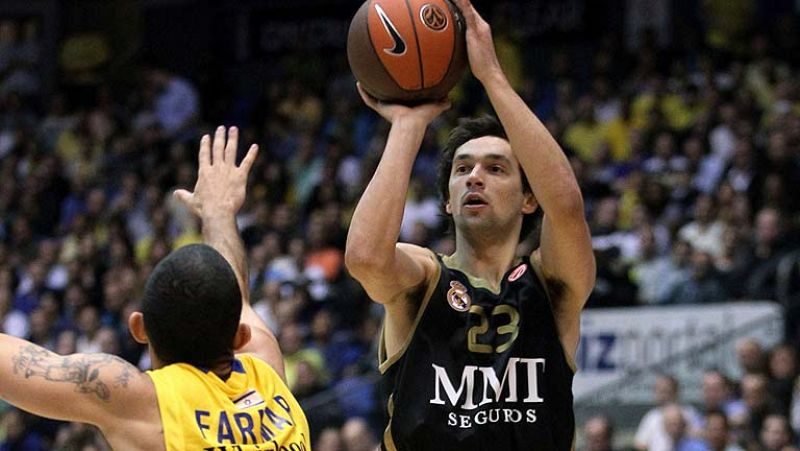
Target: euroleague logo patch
point(433, 17)
point(517, 273)
point(457, 297)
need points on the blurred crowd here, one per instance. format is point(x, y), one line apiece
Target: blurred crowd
point(687, 156)
point(758, 411)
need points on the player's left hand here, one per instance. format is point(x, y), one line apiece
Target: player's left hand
point(221, 184)
point(480, 45)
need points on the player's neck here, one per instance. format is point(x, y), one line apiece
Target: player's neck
point(487, 260)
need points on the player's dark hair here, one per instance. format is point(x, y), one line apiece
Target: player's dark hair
point(191, 307)
point(467, 130)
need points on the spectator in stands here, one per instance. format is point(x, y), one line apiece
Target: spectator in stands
point(760, 404)
point(704, 286)
point(768, 247)
point(782, 362)
point(652, 434)
point(646, 270)
point(308, 381)
point(356, 393)
point(717, 434)
point(776, 434)
point(794, 414)
point(357, 436)
point(665, 163)
point(718, 395)
point(674, 423)
point(88, 323)
point(177, 103)
point(658, 278)
point(18, 435)
point(750, 356)
point(80, 436)
point(705, 232)
point(12, 321)
point(19, 57)
point(728, 264)
point(329, 439)
point(598, 434)
point(294, 351)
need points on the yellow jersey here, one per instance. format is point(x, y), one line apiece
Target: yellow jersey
point(251, 410)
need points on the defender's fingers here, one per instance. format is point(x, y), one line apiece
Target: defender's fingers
point(204, 156)
point(250, 158)
point(231, 145)
point(218, 147)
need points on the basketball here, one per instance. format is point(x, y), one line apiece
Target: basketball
point(407, 51)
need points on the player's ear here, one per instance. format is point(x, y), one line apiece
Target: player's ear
point(529, 204)
point(447, 208)
point(242, 337)
point(136, 326)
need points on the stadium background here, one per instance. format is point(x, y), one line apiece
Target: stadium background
point(681, 119)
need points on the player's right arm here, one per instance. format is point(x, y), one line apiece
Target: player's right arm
point(383, 267)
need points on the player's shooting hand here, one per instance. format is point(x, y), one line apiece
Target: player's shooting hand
point(392, 112)
point(221, 184)
point(480, 45)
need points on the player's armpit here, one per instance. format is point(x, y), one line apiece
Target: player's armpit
point(90, 388)
point(566, 255)
point(568, 264)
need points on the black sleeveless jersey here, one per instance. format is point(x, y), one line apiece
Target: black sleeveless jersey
point(482, 371)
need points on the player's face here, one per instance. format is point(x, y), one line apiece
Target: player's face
point(486, 186)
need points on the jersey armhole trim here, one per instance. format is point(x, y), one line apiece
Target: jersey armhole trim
point(384, 361)
point(538, 271)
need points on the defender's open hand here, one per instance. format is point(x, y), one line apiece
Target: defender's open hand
point(221, 184)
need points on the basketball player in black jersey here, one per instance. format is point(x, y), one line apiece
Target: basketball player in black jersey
point(477, 347)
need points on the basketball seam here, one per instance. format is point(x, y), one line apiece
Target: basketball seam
point(419, 44)
point(377, 56)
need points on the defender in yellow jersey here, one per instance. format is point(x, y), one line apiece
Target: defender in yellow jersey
point(252, 406)
point(217, 378)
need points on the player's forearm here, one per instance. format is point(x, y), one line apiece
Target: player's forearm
point(549, 172)
point(375, 227)
point(221, 233)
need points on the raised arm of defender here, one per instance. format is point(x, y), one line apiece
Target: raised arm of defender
point(382, 266)
point(566, 251)
point(217, 197)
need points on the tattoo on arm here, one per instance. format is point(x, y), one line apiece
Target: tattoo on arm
point(83, 370)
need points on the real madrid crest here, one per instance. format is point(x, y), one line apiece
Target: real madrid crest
point(457, 297)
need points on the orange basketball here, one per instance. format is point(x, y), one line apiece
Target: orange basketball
point(407, 51)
